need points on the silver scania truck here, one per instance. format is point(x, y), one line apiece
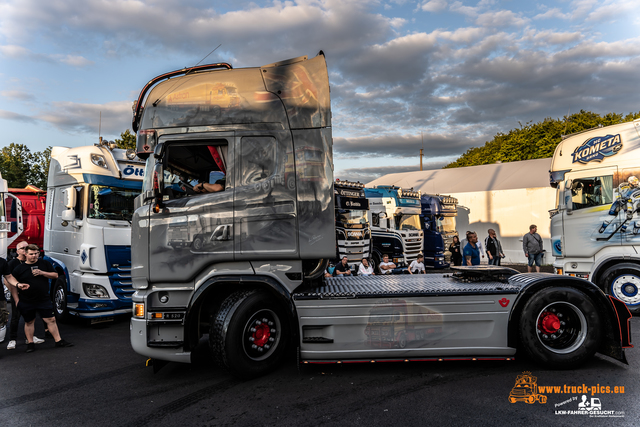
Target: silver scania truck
point(250, 274)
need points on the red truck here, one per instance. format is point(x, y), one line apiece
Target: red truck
point(33, 207)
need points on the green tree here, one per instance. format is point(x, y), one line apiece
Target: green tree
point(536, 140)
point(127, 140)
point(21, 167)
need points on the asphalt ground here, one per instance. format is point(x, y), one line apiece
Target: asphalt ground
point(102, 382)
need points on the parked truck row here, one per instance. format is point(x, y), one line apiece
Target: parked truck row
point(257, 289)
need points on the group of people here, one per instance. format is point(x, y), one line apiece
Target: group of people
point(27, 277)
point(366, 269)
point(472, 252)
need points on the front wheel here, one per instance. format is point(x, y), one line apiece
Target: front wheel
point(60, 299)
point(623, 282)
point(249, 334)
point(560, 327)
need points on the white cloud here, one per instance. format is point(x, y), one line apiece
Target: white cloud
point(18, 95)
point(85, 118)
point(434, 6)
point(76, 61)
point(553, 13)
point(501, 19)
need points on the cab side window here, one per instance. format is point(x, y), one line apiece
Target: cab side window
point(187, 164)
point(592, 191)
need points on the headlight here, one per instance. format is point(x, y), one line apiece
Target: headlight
point(95, 291)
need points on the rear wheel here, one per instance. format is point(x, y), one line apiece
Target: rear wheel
point(560, 327)
point(60, 299)
point(623, 282)
point(249, 334)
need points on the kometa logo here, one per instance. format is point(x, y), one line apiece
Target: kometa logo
point(596, 149)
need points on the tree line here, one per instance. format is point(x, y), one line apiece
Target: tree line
point(535, 140)
point(21, 167)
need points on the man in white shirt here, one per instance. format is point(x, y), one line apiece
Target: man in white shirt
point(417, 266)
point(386, 267)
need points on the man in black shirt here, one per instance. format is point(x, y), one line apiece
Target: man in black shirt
point(15, 314)
point(33, 295)
point(11, 282)
point(343, 269)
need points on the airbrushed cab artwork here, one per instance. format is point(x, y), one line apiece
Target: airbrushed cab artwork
point(595, 228)
point(235, 228)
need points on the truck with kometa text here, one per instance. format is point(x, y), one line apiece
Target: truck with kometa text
point(438, 219)
point(595, 227)
point(396, 231)
point(87, 236)
point(257, 290)
point(353, 234)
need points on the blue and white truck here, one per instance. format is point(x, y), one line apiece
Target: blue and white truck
point(87, 236)
point(438, 220)
point(394, 215)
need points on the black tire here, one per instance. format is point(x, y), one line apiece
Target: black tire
point(402, 340)
point(560, 327)
point(623, 282)
point(375, 263)
point(198, 243)
point(59, 299)
point(249, 333)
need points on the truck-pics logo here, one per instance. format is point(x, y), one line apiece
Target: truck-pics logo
point(596, 149)
point(526, 390)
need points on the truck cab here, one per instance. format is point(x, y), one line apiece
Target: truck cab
point(353, 233)
point(438, 219)
point(396, 230)
point(91, 193)
point(595, 227)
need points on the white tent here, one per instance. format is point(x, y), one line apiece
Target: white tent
point(507, 197)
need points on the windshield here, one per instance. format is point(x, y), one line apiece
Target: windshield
point(352, 217)
point(446, 224)
point(107, 202)
point(409, 222)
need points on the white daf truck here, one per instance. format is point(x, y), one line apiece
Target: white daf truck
point(595, 228)
point(255, 286)
point(87, 236)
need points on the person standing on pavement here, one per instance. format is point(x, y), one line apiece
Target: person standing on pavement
point(456, 252)
point(471, 252)
point(33, 295)
point(15, 314)
point(494, 248)
point(533, 248)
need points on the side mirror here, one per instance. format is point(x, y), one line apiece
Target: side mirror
point(70, 198)
point(568, 203)
point(158, 151)
point(158, 186)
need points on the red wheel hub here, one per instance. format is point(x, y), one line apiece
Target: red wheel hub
point(549, 323)
point(261, 335)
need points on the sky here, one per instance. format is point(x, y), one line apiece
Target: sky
point(440, 74)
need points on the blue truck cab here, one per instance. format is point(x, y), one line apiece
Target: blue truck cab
point(438, 219)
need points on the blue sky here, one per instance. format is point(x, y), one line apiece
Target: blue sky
point(456, 71)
